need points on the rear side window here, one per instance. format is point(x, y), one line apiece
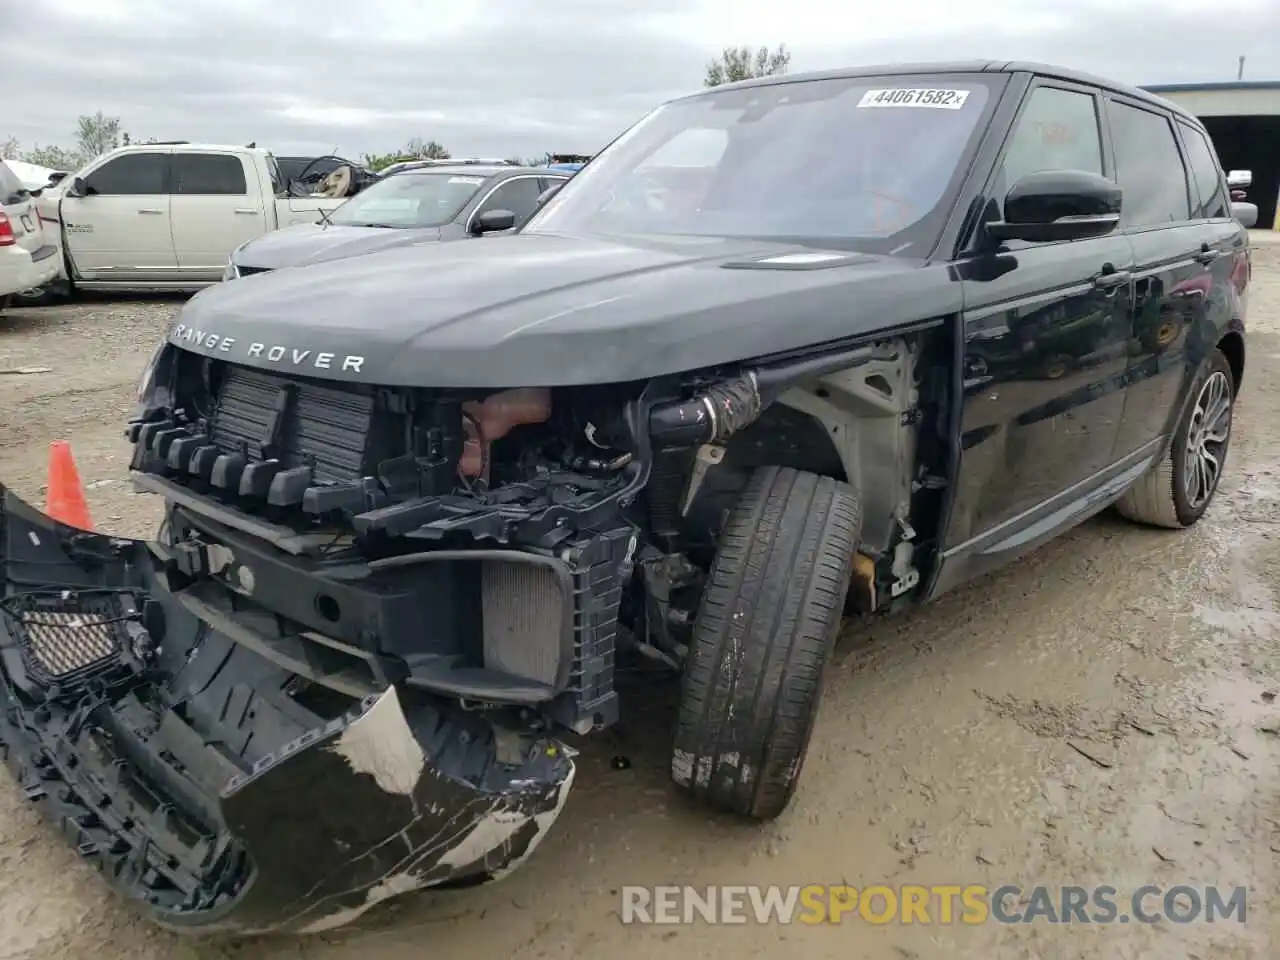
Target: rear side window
point(11, 188)
point(1211, 192)
point(1148, 168)
point(131, 175)
point(1058, 130)
point(208, 174)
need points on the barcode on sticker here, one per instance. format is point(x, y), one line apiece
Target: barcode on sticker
point(915, 97)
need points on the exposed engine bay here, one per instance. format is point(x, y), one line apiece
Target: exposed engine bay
point(340, 670)
point(537, 530)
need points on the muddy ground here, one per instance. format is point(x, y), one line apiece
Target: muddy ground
point(1103, 713)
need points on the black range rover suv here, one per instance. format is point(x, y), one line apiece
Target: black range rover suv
point(784, 347)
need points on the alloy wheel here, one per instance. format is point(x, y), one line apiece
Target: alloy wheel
point(1207, 436)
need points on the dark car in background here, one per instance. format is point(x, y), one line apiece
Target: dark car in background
point(418, 204)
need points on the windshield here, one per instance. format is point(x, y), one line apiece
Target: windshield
point(869, 163)
point(417, 199)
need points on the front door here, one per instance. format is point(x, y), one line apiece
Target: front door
point(1046, 327)
point(218, 204)
point(120, 229)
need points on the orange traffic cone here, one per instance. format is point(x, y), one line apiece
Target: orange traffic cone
point(64, 500)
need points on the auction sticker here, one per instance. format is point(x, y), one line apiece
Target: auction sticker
point(472, 180)
point(915, 97)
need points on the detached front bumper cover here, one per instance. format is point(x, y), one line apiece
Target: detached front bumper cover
point(132, 724)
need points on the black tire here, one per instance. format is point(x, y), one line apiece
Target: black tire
point(1168, 494)
point(36, 298)
point(769, 617)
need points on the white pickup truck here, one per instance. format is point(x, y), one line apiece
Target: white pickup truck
point(152, 217)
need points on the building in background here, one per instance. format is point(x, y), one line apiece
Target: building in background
point(1243, 118)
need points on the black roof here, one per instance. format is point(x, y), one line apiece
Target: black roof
point(958, 66)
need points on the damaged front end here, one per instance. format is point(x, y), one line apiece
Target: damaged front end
point(213, 783)
point(337, 673)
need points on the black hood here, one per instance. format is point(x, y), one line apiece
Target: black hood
point(538, 310)
point(319, 243)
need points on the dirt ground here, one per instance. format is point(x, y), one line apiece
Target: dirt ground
point(1103, 713)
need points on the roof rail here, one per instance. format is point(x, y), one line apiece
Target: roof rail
point(487, 161)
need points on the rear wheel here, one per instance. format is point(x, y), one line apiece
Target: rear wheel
point(1177, 491)
point(769, 617)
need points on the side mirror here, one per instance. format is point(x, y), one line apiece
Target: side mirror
point(1055, 205)
point(1240, 178)
point(57, 177)
point(548, 193)
point(78, 188)
point(493, 220)
point(1246, 213)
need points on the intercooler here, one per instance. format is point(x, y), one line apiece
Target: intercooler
point(272, 438)
point(324, 426)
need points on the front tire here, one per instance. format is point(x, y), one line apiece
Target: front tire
point(1176, 492)
point(769, 617)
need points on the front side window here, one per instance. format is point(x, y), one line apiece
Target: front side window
point(1148, 168)
point(857, 162)
point(520, 196)
point(411, 199)
point(134, 174)
point(209, 174)
point(1057, 130)
point(1211, 191)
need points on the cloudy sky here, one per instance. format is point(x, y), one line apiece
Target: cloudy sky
point(519, 77)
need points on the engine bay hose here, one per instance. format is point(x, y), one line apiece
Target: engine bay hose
point(711, 416)
point(717, 412)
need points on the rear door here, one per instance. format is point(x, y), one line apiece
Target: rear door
point(217, 205)
point(120, 229)
point(1224, 245)
point(1170, 279)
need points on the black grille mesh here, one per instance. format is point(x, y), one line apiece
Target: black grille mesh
point(68, 639)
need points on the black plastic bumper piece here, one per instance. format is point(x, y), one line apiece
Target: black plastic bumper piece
point(208, 798)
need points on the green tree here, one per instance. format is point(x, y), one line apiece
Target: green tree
point(426, 151)
point(10, 149)
point(740, 63)
point(97, 134)
point(415, 149)
point(56, 158)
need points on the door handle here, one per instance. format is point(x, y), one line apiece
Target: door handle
point(151, 211)
point(247, 210)
point(1110, 279)
point(1207, 256)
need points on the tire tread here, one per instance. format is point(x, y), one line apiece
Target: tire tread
point(770, 612)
